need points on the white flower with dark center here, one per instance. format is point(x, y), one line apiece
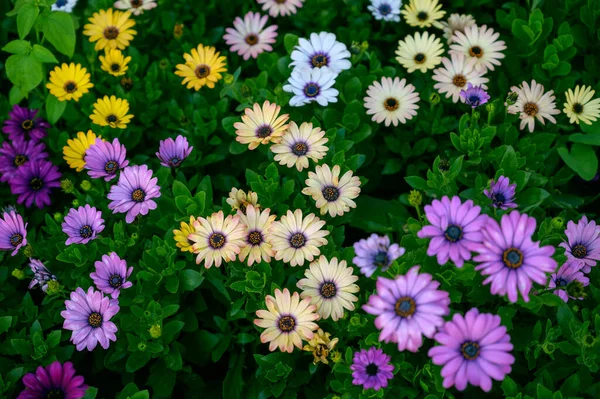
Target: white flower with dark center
point(249, 37)
point(310, 85)
point(238, 199)
point(387, 10)
point(277, 8)
point(423, 13)
point(257, 225)
point(332, 194)
point(532, 103)
point(480, 44)
point(391, 101)
point(299, 144)
point(456, 23)
point(421, 51)
point(454, 76)
point(580, 106)
point(322, 50)
point(64, 5)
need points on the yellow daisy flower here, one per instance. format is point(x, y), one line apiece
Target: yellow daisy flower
point(201, 68)
point(423, 13)
point(74, 151)
point(69, 82)
point(114, 62)
point(257, 225)
point(580, 106)
point(261, 125)
point(111, 112)
point(238, 199)
point(419, 52)
point(181, 236)
point(110, 29)
point(320, 346)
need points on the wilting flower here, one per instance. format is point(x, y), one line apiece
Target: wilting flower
point(111, 274)
point(82, 224)
point(14, 154)
point(104, 159)
point(456, 23)
point(13, 233)
point(258, 225)
point(136, 7)
point(69, 82)
point(288, 321)
point(371, 368)
point(249, 36)
point(299, 144)
point(583, 242)
point(391, 101)
point(41, 275)
point(332, 193)
point(114, 62)
point(580, 106)
point(34, 181)
point(474, 349)
point(320, 346)
point(22, 124)
point(423, 13)
point(55, 380)
point(480, 44)
point(321, 50)
point(111, 111)
point(387, 10)
point(134, 192)
point(181, 236)
point(454, 76)
point(282, 8)
point(203, 67)
point(532, 103)
point(261, 125)
point(173, 152)
point(502, 193)
point(474, 96)
point(110, 29)
point(419, 52)
point(375, 253)
point(569, 272)
point(64, 5)
point(310, 85)
point(238, 199)
point(75, 150)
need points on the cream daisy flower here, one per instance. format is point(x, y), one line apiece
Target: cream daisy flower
point(456, 23)
point(257, 225)
point(332, 194)
point(288, 321)
point(238, 199)
point(295, 239)
point(391, 101)
point(454, 76)
point(481, 44)
point(421, 51)
point(299, 144)
point(580, 106)
point(423, 13)
point(330, 286)
point(261, 125)
point(532, 103)
point(217, 238)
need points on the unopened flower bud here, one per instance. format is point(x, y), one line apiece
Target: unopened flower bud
point(575, 289)
point(163, 64)
point(155, 331)
point(75, 202)
point(141, 346)
point(557, 223)
point(228, 79)
point(28, 251)
point(548, 348)
point(434, 98)
point(58, 217)
point(415, 198)
point(511, 99)
point(336, 356)
point(18, 274)
point(135, 236)
point(67, 186)
point(126, 83)
point(53, 287)
point(444, 165)
point(178, 31)
point(86, 185)
point(588, 341)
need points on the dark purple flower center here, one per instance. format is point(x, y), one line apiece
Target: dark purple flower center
point(55, 393)
point(251, 39)
point(577, 108)
point(405, 306)
point(202, 71)
point(561, 282)
point(328, 289)
point(391, 104)
point(499, 199)
point(111, 32)
point(297, 240)
point(263, 131)
point(27, 124)
point(512, 258)
point(138, 195)
point(319, 60)
point(95, 319)
point(115, 67)
point(470, 350)
point(311, 90)
point(579, 251)
point(16, 239)
point(422, 16)
point(36, 184)
point(136, 3)
point(299, 149)
point(115, 281)
point(287, 324)
point(372, 369)
point(111, 118)
point(420, 58)
point(60, 3)
point(111, 166)
point(331, 193)
point(381, 259)
point(474, 99)
point(86, 231)
point(216, 240)
point(453, 233)
point(20, 159)
point(385, 9)
point(475, 51)
point(175, 161)
point(255, 238)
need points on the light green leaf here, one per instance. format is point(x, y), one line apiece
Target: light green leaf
point(26, 18)
point(43, 54)
point(54, 108)
point(24, 71)
point(582, 159)
point(58, 28)
point(17, 47)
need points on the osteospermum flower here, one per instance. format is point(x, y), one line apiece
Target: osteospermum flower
point(13, 232)
point(387, 10)
point(136, 7)
point(110, 29)
point(288, 321)
point(203, 67)
point(480, 44)
point(173, 152)
point(111, 111)
point(64, 5)
point(258, 224)
point(330, 286)
point(41, 275)
point(22, 124)
point(569, 272)
point(419, 52)
point(181, 236)
point(111, 275)
point(375, 253)
point(321, 50)
point(33, 183)
point(69, 82)
point(371, 368)
point(83, 224)
point(249, 37)
point(580, 106)
point(76, 149)
point(532, 103)
point(238, 199)
point(510, 259)
point(391, 101)
point(320, 346)
point(423, 13)
point(309, 85)
point(114, 62)
point(56, 380)
point(455, 227)
point(134, 192)
point(474, 349)
point(299, 145)
point(502, 193)
point(261, 125)
point(456, 23)
point(217, 239)
point(282, 8)
point(474, 96)
point(14, 154)
point(454, 76)
point(88, 316)
point(104, 159)
point(583, 242)
point(332, 193)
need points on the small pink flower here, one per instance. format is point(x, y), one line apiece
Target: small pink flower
point(136, 7)
point(282, 8)
point(249, 38)
point(111, 274)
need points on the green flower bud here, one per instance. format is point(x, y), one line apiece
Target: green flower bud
point(18, 274)
point(58, 217)
point(135, 236)
point(246, 91)
point(511, 98)
point(178, 31)
point(163, 64)
point(434, 98)
point(415, 198)
point(142, 346)
point(28, 251)
point(355, 320)
point(336, 356)
point(444, 165)
point(548, 348)
point(75, 202)
point(558, 223)
point(228, 79)
point(490, 107)
point(53, 287)
point(575, 289)
point(126, 83)
point(155, 331)
point(86, 185)
point(147, 313)
point(67, 186)
point(588, 341)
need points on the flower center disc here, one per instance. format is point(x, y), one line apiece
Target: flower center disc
point(86, 231)
point(70, 87)
point(263, 131)
point(476, 51)
point(531, 109)
point(175, 161)
point(512, 258)
point(136, 3)
point(110, 167)
point(391, 104)
point(111, 33)
point(115, 281)
point(470, 350)
point(297, 240)
point(579, 251)
point(499, 199)
point(311, 90)
point(422, 16)
point(577, 108)
point(115, 67)
point(331, 193)
point(381, 259)
point(405, 306)
point(138, 195)
point(111, 118)
point(36, 184)
point(252, 39)
point(300, 149)
point(16, 239)
point(287, 323)
point(372, 369)
point(20, 160)
point(459, 81)
point(216, 240)
point(453, 233)
point(55, 393)
point(202, 71)
point(319, 60)
point(385, 9)
point(255, 238)
point(328, 290)
point(95, 319)
point(27, 124)
point(420, 58)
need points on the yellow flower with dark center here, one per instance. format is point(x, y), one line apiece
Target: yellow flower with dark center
point(580, 107)
point(69, 82)
point(423, 13)
point(320, 346)
point(114, 62)
point(202, 67)
point(111, 112)
point(110, 29)
point(181, 236)
point(74, 151)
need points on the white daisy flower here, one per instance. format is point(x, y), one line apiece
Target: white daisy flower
point(421, 51)
point(391, 101)
point(481, 44)
point(299, 145)
point(322, 50)
point(295, 239)
point(282, 8)
point(580, 106)
point(310, 85)
point(330, 286)
point(456, 23)
point(532, 103)
point(332, 193)
point(387, 10)
point(64, 5)
point(249, 37)
point(136, 7)
point(238, 199)
point(257, 225)
point(454, 76)
point(423, 13)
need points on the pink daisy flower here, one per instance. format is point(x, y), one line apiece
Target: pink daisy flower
point(250, 37)
point(569, 272)
point(278, 8)
point(583, 242)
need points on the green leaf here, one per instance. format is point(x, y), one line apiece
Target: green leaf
point(54, 108)
point(59, 30)
point(141, 395)
point(533, 195)
point(417, 182)
point(26, 18)
point(234, 382)
point(171, 329)
point(543, 392)
point(17, 47)
point(571, 386)
point(509, 161)
point(137, 360)
point(591, 139)
point(53, 338)
point(582, 159)
point(180, 189)
point(190, 279)
point(44, 55)
point(21, 346)
point(290, 41)
point(352, 88)
point(91, 393)
point(24, 71)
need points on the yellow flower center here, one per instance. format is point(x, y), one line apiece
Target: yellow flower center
point(287, 324)
point(531, 109)
point(297, 240)
point(255, 238)
point(27, 124)
point(95, 319)
point(138, 195)
point(300, 149)
point(459, 81)
point(216, 240)
point(20, 160)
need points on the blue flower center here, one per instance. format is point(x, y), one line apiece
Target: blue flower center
point(513, 258)
point(372, 369)
point(561, 282)
point(175, 161)
point(499, 198)
point(110, 167)
point(470, 350)
point(60, 3)
point(385, 9)
point(311, 90)
point(381, 259)
point(579, 251)
point(474, 99)
point(405, 306)
point(55, 393)
point(115, 281)
point(319, 60)
point(86, 231)
point(453, 233)
point(16, 239)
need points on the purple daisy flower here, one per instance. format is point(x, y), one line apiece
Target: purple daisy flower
point(407, 308)
point(104, 159)
point(502, 193)
point(474, 349)
point(23, 124)
point(583, 242)
point(111, 274)
point(569, 272)
point(172, 152)
point(41, 275)
point(509, 257)
point(53, 381)
point(13, 233)
point(375, 252)
point(455, 228)
point(134, 192)
point(474, 96)
point(33, 182)
point(14, 154)
point(88, 316)
point(371, 368)
point(82, 224)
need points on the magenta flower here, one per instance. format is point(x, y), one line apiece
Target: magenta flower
point(474, 96)
point(375, 253)
point(407, 308)
point(583, 242)
point(509, 257)
point(569, 272)
point(502, 193)
point(13, 233)
point(249, 38)
point(105, 159)
point(24, 125)
point(371, 368)
point(173, 152)
point(14, 154)
point(33, 183)
point(111, 274)
point(455, 228)
point(54, 381)
point(82, 224)
point(134, 192)
point(41, 275)
point(474, 349)
point(88, 316)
